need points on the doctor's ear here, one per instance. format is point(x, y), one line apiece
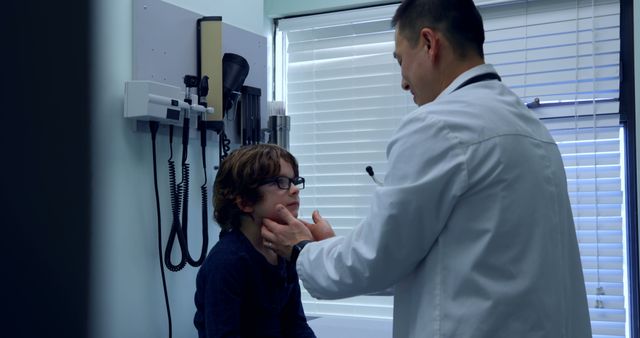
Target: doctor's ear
point(425, 36)
point(427, 42)
point(429, 37)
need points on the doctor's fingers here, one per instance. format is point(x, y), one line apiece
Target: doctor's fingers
point(279, 233)
point(279, 238)
point(286, 216)
point(319, 220)
point(267, 235)
point(322, 225)
point(270, 240)
point(320, 230)
point(316, 216)
point(271, 226)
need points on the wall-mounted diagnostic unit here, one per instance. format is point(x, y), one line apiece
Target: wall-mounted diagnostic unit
point(155, 101)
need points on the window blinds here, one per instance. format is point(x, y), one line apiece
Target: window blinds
point(342, 90)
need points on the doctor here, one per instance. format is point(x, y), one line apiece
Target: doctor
point(473, 226)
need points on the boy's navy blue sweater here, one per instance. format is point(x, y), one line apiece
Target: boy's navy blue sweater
point(240, 294)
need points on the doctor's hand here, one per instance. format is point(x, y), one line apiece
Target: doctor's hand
point(320, 229)
point(282, 237)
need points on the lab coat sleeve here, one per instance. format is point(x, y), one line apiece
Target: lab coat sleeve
point(426, 175)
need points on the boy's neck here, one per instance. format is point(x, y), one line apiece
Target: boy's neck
point(251, 229)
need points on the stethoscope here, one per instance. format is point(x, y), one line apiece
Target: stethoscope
point(479, 78)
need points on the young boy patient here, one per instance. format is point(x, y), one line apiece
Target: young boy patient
point(244, 289)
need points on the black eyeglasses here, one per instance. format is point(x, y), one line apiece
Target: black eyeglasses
point(284, 182)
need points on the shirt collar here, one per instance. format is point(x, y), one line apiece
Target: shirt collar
point(477, 70)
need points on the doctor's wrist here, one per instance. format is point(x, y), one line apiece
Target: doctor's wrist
point(295, 250)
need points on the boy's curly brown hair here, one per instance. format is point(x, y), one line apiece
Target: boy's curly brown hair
point(239, 177)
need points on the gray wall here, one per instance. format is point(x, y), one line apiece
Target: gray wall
point(127, 298)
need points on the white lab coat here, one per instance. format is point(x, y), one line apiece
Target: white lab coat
point(473, 226)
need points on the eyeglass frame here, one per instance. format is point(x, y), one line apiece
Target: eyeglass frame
point(279, 179)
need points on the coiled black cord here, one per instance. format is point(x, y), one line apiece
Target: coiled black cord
point(153, 127)
point(205, 223)
point(174, 192)
point(183, 186)
point(176, 230)
point(180, 205)
point(204, 200)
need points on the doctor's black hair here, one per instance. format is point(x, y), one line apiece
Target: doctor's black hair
point(239, 177)
point(458, 20)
